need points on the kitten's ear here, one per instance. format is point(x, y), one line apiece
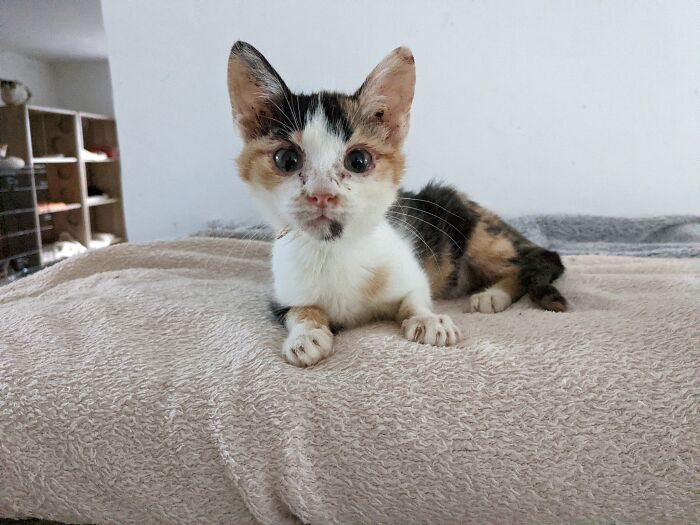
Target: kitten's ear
point(386, 95)
point(253, 85)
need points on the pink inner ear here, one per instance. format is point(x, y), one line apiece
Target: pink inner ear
point(387, 94)
point(246, 98)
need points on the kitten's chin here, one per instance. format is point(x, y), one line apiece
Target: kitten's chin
point(324, 229)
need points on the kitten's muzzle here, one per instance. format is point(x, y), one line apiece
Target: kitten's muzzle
point(322, 199)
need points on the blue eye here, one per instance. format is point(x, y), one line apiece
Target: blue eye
point(358, 161)
point(288, 160)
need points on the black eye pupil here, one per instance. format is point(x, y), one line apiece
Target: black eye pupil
point(358, 160)
point(287, 159)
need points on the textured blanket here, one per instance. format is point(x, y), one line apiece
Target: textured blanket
point(666, 236)
point(144, 384)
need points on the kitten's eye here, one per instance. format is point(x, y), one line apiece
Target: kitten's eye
point(287, 159)
point(358, 161)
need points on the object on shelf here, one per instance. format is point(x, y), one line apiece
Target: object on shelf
point(102, 240)
point(58, 158)
point(94, 200)
point(53, 207)
point(93, 190)
point(14, 93)
point(12, 163)
point(94, 156)
point(66, 246)
point(111, 151)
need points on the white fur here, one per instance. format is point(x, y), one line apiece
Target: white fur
point(490, 301)
point(333, 275)
point(323, 153)
point(307, 344)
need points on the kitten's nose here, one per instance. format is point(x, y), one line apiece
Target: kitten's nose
point(321, 199)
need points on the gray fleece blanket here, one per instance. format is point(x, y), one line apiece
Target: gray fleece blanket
point(145, 385)
point(667, 236)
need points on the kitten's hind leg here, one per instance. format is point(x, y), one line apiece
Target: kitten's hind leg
point(496, 297)
point(539, 268)
point(310, 338)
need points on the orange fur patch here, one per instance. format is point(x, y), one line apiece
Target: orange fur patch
point(389, 161)
point(314, 314)
point(379, 278)
point(438, 268)
point(511, 285)
point(255, 163)
point(490, 253)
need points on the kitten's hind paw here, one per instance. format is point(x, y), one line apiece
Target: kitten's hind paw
point(490, 301)
point(307, 346)
point(436, 330)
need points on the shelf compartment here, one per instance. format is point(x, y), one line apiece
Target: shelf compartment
point(53, 133)
point(16, 212)
point(28, 253)
point(25, 232)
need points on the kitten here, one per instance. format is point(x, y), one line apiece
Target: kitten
point(325, 170)
point(14, 93)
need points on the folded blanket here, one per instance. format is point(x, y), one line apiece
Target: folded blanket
point(665, 236)
point(144, 384)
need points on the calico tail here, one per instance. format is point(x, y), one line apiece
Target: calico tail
point(539, 268)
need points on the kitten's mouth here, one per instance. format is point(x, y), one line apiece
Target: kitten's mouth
point(324, 227)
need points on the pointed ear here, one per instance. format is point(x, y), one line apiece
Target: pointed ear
point(385, 97)
point(253, 85)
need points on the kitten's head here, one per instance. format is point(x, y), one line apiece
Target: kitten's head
point(325, 164)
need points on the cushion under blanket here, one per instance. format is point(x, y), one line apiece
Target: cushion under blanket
point(145, 384)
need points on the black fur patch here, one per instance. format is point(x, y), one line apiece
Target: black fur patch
point(335, 230)
point(278, 312)
point(290, 112)
point(437, 217)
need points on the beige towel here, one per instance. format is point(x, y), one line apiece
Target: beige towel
point(144, 384)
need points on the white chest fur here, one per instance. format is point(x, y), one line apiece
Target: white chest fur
point(352, 280)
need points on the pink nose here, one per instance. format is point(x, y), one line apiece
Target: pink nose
point(321, 199)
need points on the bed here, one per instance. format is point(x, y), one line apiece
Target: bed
point(144, 384)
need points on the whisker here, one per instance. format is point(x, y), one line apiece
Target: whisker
point(430, 202)
point(438, 229)
point(416, 234)
point(441, 218)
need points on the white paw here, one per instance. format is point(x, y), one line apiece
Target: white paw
point(490, 301)
point(307, 346)
point(436, 330)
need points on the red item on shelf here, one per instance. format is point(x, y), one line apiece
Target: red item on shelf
point(111, 151)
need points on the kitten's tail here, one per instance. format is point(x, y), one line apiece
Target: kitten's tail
point(539, 268)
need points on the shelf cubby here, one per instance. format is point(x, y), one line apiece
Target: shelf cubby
point(56, 192)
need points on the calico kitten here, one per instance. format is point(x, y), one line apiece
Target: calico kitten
point(325, 170)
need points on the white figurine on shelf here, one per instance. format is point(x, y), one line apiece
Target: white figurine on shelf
point(13, 163)
point(14, 93)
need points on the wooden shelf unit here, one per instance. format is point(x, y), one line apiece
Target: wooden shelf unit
point(55, 139)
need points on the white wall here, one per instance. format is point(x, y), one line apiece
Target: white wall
point(84, 85)
point(538, 106)
point(81, 85)
point(34, 73)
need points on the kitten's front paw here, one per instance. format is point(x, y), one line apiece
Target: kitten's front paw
point(307, 346)
point(490, 301)
point(436, 330)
